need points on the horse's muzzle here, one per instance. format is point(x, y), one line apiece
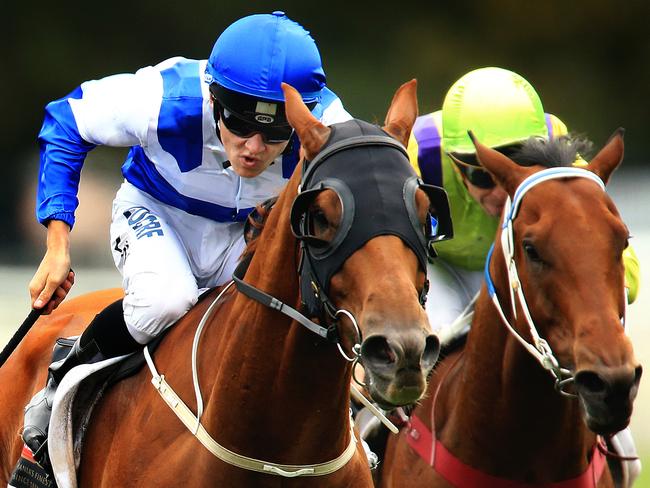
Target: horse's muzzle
point(397, 366)
point(607, 396)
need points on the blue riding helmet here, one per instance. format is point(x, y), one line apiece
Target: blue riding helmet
point(255, 54)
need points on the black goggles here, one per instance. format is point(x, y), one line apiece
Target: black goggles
point(471, 169)
point(271, 134)
point(476, 176)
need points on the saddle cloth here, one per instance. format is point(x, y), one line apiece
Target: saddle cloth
point(70, 415)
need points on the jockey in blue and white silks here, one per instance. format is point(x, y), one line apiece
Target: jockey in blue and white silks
point(176, 159)
point(164, 113)
point(209, 140)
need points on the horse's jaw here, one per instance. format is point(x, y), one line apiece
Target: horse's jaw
point(396, 392)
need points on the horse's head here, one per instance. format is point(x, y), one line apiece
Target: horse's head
point(364, 221)
point(567, 243)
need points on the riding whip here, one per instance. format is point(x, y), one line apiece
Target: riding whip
point(20, 334)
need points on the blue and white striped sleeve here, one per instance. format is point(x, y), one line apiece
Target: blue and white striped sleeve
point(333, 110)
point(113, 111)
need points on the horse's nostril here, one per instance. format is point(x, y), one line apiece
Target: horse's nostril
point(590, 382)
point(376, 350)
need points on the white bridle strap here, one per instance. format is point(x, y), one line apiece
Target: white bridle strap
point(545, 175)
point(194, 425)
point(539, 348)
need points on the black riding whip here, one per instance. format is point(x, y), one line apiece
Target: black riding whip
point(20, 334)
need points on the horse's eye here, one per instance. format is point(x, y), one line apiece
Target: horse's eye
point(318, 221)
point(531, 252)
point(430, 226)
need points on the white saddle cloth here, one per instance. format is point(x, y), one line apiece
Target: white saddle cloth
point(64, 456)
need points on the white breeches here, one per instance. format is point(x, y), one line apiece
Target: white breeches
point(451, 289)
point(166, 257)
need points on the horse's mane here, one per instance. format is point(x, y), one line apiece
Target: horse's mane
point(557, 151)
point(255, 224)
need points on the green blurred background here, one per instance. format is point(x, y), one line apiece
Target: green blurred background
point(589, 60)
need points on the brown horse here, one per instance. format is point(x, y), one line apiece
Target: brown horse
point(272, 389)
point(494, 416)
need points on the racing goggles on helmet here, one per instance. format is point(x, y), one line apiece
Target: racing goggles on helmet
point(471, 170)
point(245, 115)
point(245, 129)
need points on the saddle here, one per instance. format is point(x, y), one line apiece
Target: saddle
point(80, 390)
point(79, 402)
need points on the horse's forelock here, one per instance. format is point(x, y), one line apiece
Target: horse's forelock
point(556, 152)
point(257, 218)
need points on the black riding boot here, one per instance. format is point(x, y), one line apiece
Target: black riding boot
point(105, 337)
point(39, 409)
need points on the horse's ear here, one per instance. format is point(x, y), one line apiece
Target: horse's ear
point(311, 132)
point(504, 170)
point(609, 157)
point(402, 112)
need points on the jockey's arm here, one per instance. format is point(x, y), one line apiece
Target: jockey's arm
point(113, 111)
point(102, 112)
point(53, 278)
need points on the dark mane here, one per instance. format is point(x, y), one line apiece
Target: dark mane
point(558, 151)
point(255, 223)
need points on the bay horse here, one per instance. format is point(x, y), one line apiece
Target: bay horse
point(272, 389)
point(494, 416)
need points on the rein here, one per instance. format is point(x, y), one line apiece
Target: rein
point(362, 220)
point(425, 442)
point(193, 422)
point(194, 425)
point(539, 349)
point(267, 300)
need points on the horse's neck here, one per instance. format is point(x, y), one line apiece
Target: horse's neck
point(506, 400)
point(276, 380)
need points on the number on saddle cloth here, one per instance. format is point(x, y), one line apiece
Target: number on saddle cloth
point(28, 473)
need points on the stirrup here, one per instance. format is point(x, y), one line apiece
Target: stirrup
point(373, 436)
point(39, 410)
point(37, 420)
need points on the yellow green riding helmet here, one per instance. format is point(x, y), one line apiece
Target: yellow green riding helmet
point(499, 106)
